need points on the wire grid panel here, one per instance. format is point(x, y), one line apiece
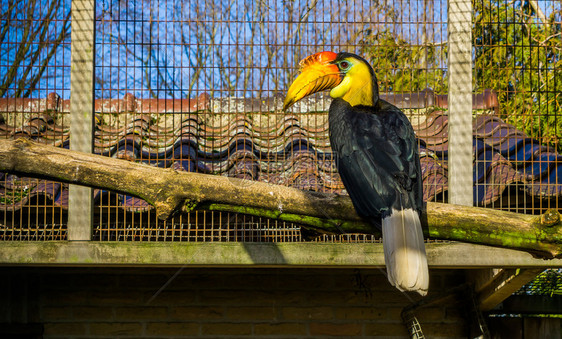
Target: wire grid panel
point(34, 80)
point(548, 283)
point(516, 51)
point(199, 87)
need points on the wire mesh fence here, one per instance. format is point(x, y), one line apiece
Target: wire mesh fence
point(34, 74)
point(548, 283)
point(516, 49)
point(198, 86)
point(237, 58)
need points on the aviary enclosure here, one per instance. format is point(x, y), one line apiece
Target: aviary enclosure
point(198, 87)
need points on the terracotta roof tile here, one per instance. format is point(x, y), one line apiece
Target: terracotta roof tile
point(289, 149)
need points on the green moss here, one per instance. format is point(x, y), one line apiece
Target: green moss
point(508, 239)
point(323, 225)
point(189, 205)
point(12, 197)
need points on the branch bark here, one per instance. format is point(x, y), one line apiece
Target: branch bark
point(170, 191)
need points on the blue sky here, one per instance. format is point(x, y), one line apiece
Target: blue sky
point(227, 47)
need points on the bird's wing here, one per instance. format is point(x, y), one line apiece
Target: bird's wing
point(379, 164)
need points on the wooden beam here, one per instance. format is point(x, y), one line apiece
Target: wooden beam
point(460, 102)
point(80, 206)
point(236, 254)
point(492, 286)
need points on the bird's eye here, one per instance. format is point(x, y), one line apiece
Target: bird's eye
point(344, 65)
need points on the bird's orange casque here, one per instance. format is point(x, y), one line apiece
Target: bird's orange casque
point(318, 72)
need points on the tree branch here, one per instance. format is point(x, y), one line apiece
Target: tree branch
point(170, 191)
point(539, 13)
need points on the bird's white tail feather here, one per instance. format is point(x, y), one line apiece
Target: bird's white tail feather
point(404, 251)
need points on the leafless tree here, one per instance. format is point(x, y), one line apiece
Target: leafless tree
point(234, 47)
point(31, 34)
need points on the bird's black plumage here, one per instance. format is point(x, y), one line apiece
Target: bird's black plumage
point(377, 157)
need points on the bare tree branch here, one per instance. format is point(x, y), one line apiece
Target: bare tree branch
point(540, 13)
point(39, 32)
point(54, 47)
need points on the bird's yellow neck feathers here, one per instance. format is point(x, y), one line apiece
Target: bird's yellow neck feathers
point(357, 85)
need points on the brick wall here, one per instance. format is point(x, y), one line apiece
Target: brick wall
point(216, 303)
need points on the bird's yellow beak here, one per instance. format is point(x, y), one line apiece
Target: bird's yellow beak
point(318, 72)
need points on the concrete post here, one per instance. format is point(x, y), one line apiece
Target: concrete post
point(460, 102)
point(80, 201)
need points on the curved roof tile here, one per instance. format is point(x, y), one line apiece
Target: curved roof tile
point(287, 149)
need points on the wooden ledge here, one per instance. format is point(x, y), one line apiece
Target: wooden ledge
point(234, 254)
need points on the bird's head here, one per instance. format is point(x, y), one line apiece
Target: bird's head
point(346, 75)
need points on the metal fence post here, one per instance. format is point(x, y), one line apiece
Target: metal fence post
point(80, 200)
point(460, 102)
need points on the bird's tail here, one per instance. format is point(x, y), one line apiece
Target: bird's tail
point(404, 251)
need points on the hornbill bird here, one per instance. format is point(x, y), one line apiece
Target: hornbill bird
point(377, 158)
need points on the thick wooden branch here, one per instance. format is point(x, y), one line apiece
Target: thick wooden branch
point(170, 191)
